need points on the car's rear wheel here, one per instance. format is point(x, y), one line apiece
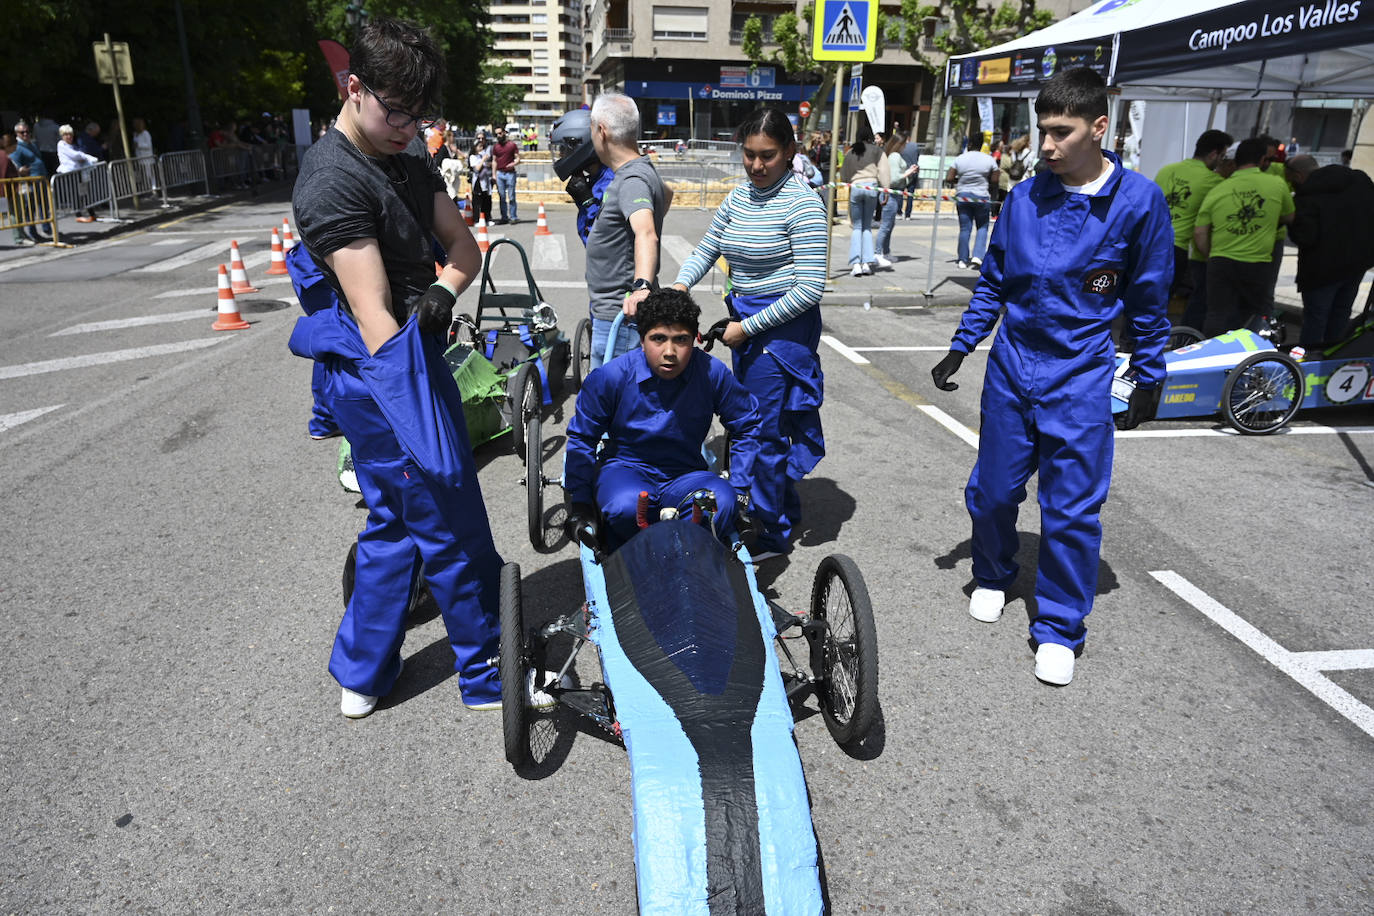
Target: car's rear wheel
point(1262, 393)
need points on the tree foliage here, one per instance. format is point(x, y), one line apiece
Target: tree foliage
point(247, 57)
point(969, 27)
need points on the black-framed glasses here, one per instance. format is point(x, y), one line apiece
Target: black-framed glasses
point(397, 118)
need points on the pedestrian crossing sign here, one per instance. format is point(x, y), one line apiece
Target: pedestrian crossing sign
point(845, 30)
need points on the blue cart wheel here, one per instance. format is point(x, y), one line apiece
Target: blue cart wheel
point(848, 684)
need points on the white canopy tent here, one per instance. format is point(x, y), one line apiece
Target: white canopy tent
point(1184, 50)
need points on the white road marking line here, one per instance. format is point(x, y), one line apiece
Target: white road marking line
point(210, 291)
point(550, 252)
point(111, 356)
point(115, 323)
point(1337, 659)
point(176, 240)
point(949, 423)
point(9, 421)
point(904, 349)
point(677, 248)
point(185, 258)
point(1227, 431)
point(1290, 663)
point(517, 284)
point(844, 351)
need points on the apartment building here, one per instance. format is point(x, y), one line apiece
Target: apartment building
point(682, 62)
point(542, 42)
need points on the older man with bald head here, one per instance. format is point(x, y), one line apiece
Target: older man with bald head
point(1333, 227)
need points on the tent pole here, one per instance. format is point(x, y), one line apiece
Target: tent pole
point(939, 193)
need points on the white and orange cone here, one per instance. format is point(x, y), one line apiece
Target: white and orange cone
point(288, 241)
point(483, 242)
point(541, 225)
point(238, 276)
point(467, 211)
point(278, 266)
point(229, 318)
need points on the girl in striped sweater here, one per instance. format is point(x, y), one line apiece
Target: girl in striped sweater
point(772, 233)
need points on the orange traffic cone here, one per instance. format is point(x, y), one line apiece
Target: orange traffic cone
point(467, 211)
point(483, 242)
point(278, 266)
point(238, 276)
point(541, 225)
point(229, 318)
point(288, 241)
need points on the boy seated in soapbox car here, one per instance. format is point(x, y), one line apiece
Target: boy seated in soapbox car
point(654, 407)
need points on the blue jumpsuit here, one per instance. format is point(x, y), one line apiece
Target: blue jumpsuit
point(402, 413)
point(1063, 265)
point(656, 428)
point(781, 369)
point(314, 294)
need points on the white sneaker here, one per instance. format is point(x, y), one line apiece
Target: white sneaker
point(962, 265)
point(538, 699)
point(1054, 663)
point(986, 604)
point(857, 270)
point(355, 705)
point(976, 263)
point(868, 269)
point(882, 262)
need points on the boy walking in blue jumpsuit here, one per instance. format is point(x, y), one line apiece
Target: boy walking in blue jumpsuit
point(1072, 248)
point(655, 404)
point(368, 202)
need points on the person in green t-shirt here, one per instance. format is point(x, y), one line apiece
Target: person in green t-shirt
point(1185, 184)
point(1235, 229)
point(1272, 166)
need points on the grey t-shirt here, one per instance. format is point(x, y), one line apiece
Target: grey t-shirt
point(611, 244)
point(342, 196)
point(971, 173)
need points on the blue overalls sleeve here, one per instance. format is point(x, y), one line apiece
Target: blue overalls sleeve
point(590, 421)
point(1146, 299)
point(986, 303)
point(739, 414)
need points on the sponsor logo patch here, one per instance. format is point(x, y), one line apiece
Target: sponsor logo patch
point(1102, 282)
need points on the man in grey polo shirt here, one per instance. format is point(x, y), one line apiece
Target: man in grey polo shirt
point(622, 249)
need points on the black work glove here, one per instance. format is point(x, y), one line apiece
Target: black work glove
point(579, 189)
point(582, 526)
point(715, 333)
point(945, 368)
point(434, 310)
point(1141, 407)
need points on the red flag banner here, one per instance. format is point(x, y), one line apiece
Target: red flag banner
point(336, 55)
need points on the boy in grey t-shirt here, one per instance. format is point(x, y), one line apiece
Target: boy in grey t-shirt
point(622, 249)
point(973, 176)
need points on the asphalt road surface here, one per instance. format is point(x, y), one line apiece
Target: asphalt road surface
point(171, 562)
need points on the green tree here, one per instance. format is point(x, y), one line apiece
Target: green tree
point(791, 53)
point(969, 28)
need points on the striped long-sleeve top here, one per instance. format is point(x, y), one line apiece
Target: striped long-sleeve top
point(774, 241)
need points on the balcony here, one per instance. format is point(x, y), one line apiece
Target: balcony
point(737, 36)
point(618, 35)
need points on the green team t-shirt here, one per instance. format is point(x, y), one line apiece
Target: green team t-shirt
point(1275, 173)
point(1244, 212)
point(1185, 185)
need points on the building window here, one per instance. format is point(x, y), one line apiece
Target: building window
point(539, 18)
point(541, 71)
point(541, 53)
point(680, 22)
point(539, 36)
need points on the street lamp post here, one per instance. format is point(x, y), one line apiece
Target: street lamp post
point(356, 15)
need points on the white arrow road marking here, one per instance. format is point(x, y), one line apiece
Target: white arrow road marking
point(9, 421)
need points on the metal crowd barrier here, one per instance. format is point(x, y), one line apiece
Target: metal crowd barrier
point(27, 202)
point(228, 163)
point(134, 180)
point(83, 189)
point(183, 168)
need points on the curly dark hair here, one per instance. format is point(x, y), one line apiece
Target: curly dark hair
point(667, 306)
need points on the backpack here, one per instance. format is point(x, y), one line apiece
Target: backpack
point(1017, 170)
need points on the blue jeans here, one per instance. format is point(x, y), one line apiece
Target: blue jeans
point(601, 332)
point(861, 200)
point(971, 213)
point(1326, 312)
point(505, 186)
point(882, 243)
